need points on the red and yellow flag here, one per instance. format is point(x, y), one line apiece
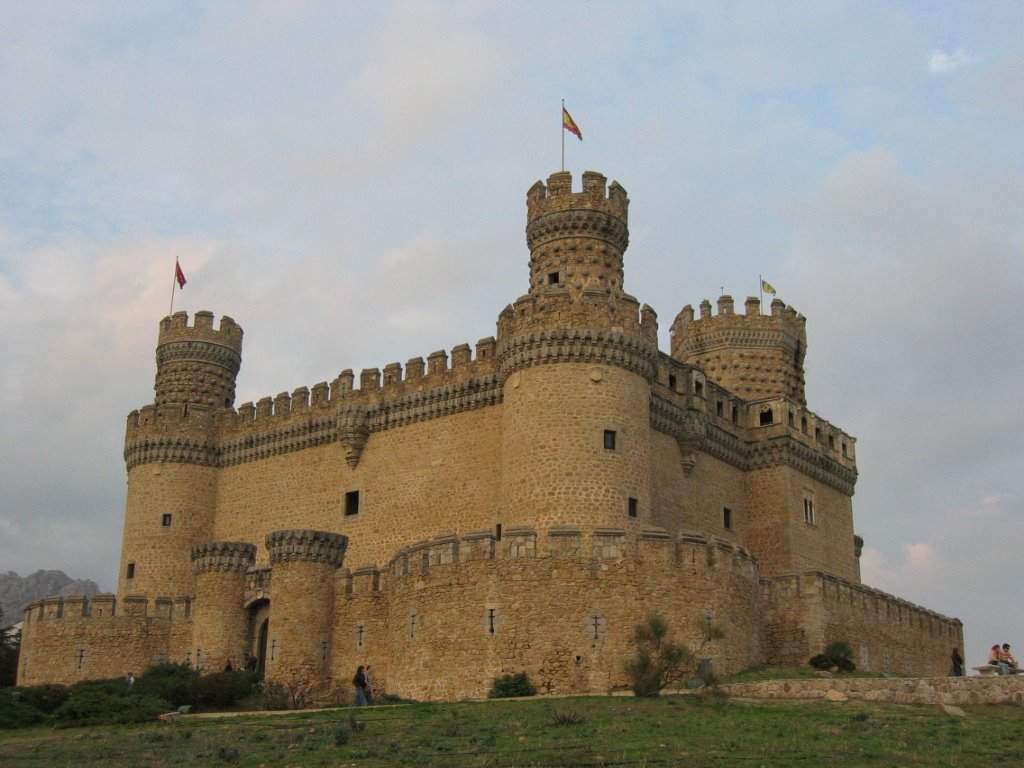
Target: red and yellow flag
point(570, 125)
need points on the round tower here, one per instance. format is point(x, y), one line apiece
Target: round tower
point(171, 454)
point(577, 357)
point(303, 566)
point(753, 355)
point(220, 622)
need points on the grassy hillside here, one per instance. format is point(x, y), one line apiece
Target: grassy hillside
point(608, 731)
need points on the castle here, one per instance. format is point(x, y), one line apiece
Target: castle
point(519, 506)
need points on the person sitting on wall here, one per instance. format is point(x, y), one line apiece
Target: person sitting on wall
point(957, 670)
point(1008, 659)
point(995, 659)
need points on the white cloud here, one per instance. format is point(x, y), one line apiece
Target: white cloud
point(947, 62)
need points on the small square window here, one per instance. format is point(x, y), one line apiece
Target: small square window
point(130, 573)
point(351, 503)
point(634, 507)
point(554, 278)
point(727, 518)
point(609, 439)
point(165, 520)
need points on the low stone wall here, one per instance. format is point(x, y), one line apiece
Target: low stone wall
point(918, 690)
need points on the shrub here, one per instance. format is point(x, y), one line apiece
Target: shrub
point(91, 706)
point(508, 686)
point(221, 689)
point(838, 654)
point(45, 698)
point(568, 717)
point(16, 714)
point(171, 682)
point(341, 736)
point(227, 754)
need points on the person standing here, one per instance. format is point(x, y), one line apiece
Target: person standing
point(359, 683)
point(369, 684)
point(958, 663)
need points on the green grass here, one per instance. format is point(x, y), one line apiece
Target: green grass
point(602, 731)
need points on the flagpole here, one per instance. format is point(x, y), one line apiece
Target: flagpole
point(561, 125)
point(760, 287)
point(174, 282)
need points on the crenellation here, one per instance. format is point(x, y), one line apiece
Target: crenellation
point(369, 379)
point(415, 369)
point(392, 374)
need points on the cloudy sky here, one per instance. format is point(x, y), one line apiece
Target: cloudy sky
point(347, 180)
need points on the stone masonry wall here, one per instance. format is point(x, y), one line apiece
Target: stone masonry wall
point(806, 612)
point(928, 690)
point(66, 640)
point(447, 618)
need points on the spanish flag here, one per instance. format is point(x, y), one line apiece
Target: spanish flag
point(570, 125)
point(767, 287)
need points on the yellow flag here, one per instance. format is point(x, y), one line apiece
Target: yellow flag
point(767, 287)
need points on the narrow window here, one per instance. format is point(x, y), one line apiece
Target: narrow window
point(735, 415)
point(351, 503)
point(803, 424)
point(727, 518)
point(633, 506)
point(491, 629)
point(130, 573)
point(831, 442)
point(844, 450)
point(166, 520)
point(698, 387)
point(766, 417)
point(791, 419)
point(553, 278)
point(497, 532)
point(817, 434)
point(672, 382)
point(809, 507)
point(719, 408)
point(609, 439)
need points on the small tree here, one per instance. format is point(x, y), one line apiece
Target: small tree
point(10, 643)
point(838, 655)
point(659, 661)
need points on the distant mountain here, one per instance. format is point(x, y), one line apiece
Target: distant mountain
point(17, 592)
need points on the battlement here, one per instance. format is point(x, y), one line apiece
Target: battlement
point(176, 328)
point(106, 606)
point(651, 545)
point(596, 195)
point(687, 327)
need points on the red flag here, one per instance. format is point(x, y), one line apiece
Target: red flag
point(570, 125)
point(179, 275)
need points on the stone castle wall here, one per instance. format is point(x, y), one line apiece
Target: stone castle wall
point(807, 611)
point(66, 640)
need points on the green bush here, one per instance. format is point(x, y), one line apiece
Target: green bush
point(45, 698)
point(508, 686)
point(838, 654)
point(171, 682)
point(16, 714)
point(92, 706)
point(222, 689)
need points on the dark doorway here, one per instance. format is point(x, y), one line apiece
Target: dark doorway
point(261, 653)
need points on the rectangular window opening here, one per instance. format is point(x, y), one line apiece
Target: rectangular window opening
point(609, 439)
point(554, 278)
point(351, 503)
point(130, 573)
point(727, 518)
point(634, 506)
point(166, 520)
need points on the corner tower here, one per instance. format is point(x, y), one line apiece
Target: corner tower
point(171, 454)
point(753, 355)
point(577, 356)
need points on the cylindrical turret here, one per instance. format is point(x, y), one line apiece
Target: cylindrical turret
point(171, 457)
point(753, 355)
point(577, 357)
point(303, 564)
point(196, 365)
point(221, 626)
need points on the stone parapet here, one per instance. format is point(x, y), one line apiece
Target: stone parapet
point(921, 690)
point(223, 557)
point(578, 345)
point(303, 545)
